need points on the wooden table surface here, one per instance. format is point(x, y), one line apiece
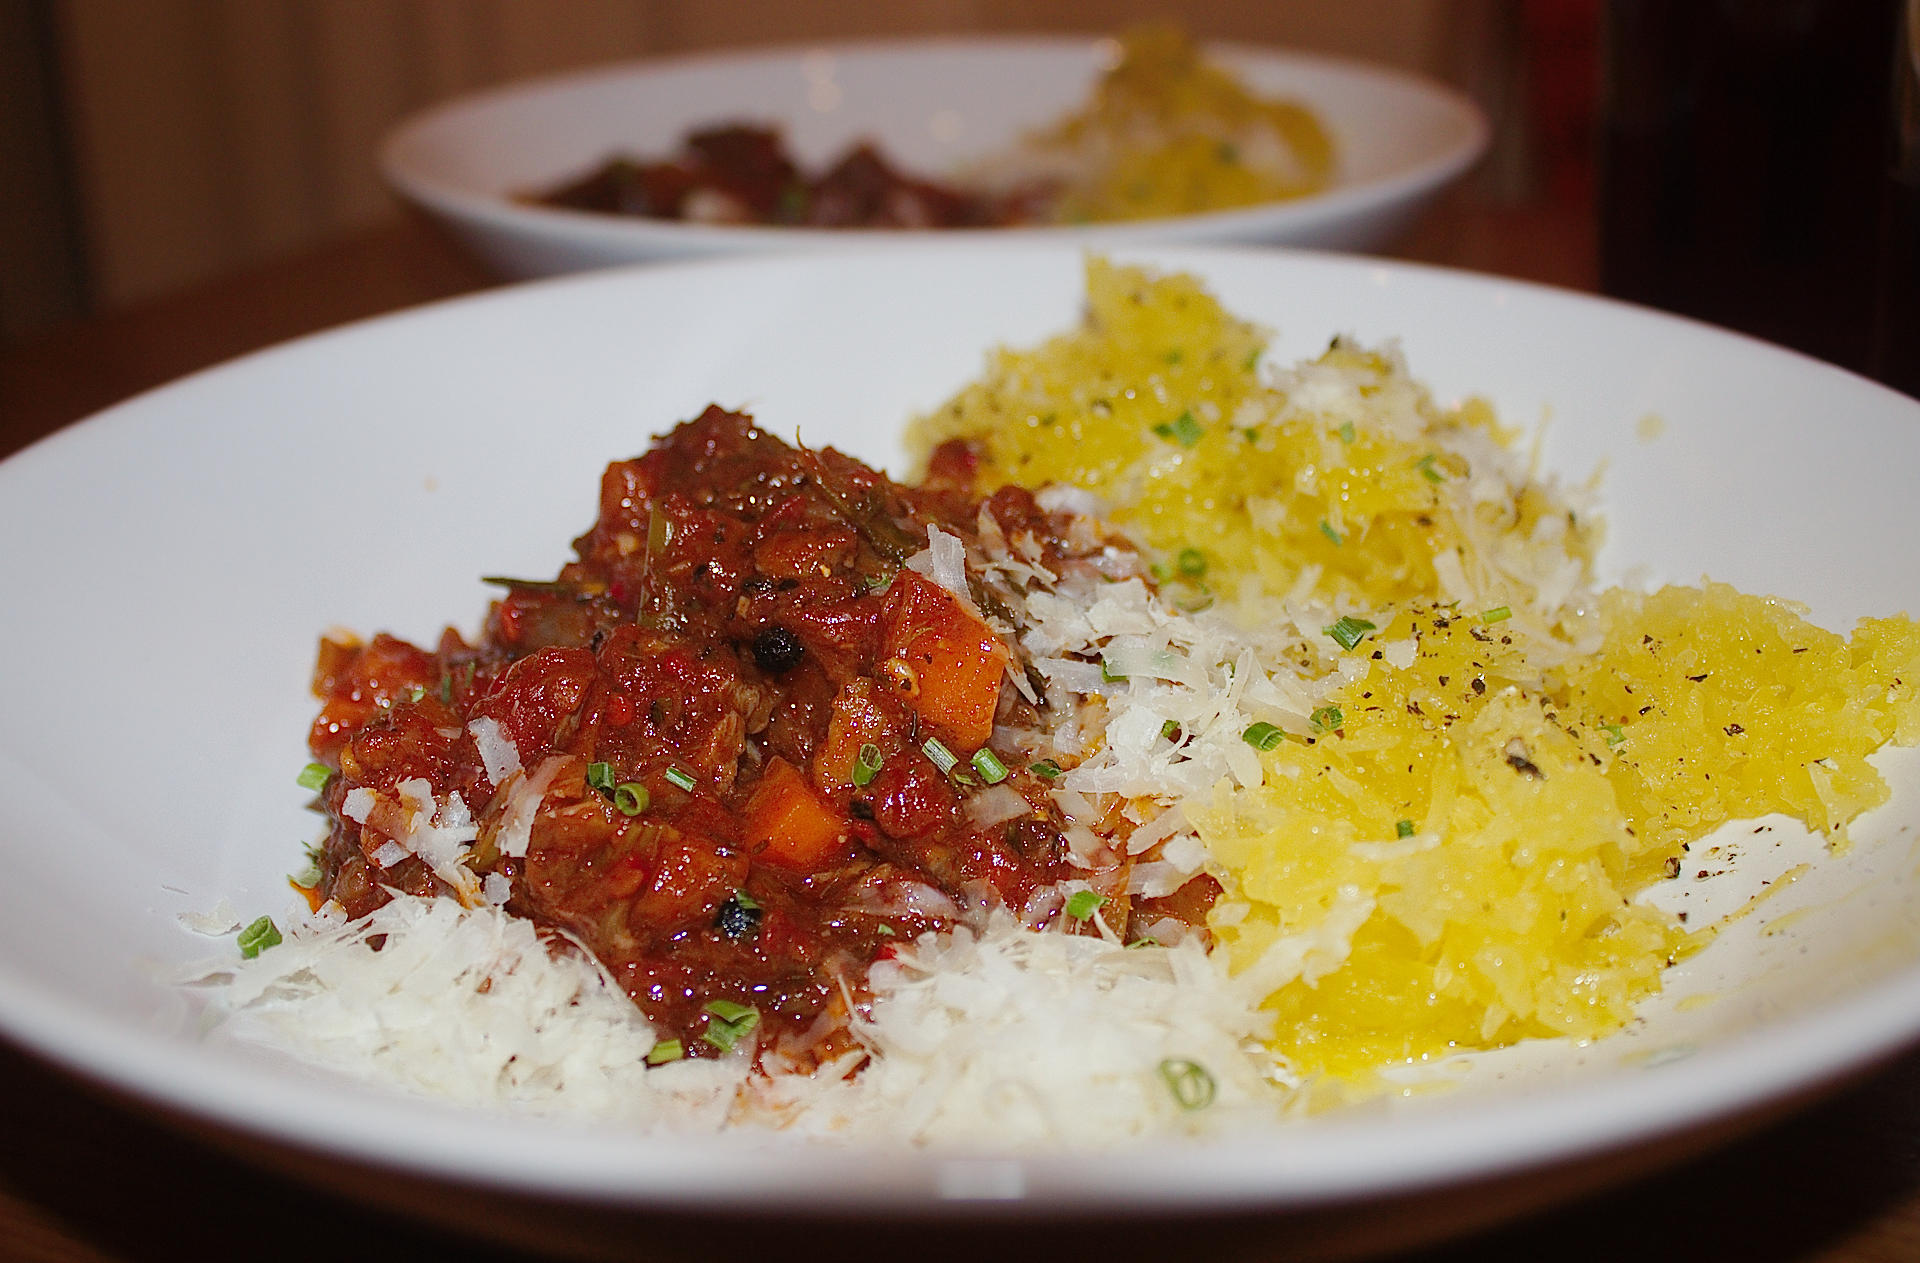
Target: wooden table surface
point(85, 1175)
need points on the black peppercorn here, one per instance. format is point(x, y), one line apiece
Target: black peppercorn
point(737, 920)
point(777, 650)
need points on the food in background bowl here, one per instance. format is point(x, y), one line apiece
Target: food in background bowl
point(1165, 133)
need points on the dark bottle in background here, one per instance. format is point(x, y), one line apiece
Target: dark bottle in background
point(1896, 349)
point(1744, 161)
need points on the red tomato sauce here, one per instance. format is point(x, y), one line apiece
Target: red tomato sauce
point(767, 734)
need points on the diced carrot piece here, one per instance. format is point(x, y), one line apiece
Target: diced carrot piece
point(952, 661)
point(787, 824)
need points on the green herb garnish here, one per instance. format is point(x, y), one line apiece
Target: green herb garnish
point(988, 764)
point(1082, 904)
point(1348, 631)
point(728, 1023)
point(1183, 430)
point(1189, 1081)
point(1263, 735)
point(531, 585)
point(943, 758)
point(258, 937)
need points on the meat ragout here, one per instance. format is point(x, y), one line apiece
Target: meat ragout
point(742, 174)
point(751, 743)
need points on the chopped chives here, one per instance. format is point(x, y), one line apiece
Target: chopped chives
point(1403, 828)
point(1082, 904)
point(1326, 528)
point(664, 1051)
point(600, 776)
point(746, 901)
point(314, 776)
point(1616, 735)
point(1428, 470)
point(308, 878)
point(988, 764)
point(1348, 631)
point(630, 798)
point(728, 1023)
point(681, 778)
point(868, 764)
point(1192, 562)
point(1326, 719)
point(1183, 430)
point(258, 937)
point(1189, 1081)
point(1045, 769)
point(417, 692)
point(1347, 433)
point(1263, 735)
point(1170, 729)
point(1498, 614)
point(943, 758)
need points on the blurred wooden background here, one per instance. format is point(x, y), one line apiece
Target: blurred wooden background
point(152, 144)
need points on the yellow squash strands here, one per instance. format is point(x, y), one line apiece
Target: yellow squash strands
point(1503, 759)
point(1347, 483)
point(1166, 133)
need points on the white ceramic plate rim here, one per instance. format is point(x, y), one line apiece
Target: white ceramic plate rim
point(1335, 1158)
point(402, 165)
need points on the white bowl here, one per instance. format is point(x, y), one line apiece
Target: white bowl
point(931, 104)
point(176, 557)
